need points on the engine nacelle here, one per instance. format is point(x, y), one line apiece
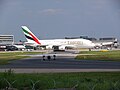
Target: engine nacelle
point(61, 47)
point(49, 47)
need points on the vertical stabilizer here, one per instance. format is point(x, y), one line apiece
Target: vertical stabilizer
point(31, 38)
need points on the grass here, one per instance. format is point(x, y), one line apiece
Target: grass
point(99, 55)
point(83, 81)
point(5, 57)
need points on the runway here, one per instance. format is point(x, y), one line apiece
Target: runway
point(64, 62)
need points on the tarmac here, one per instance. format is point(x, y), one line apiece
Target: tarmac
point(61, 63)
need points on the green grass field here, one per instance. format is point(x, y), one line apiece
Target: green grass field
point(99, 55)
point(82, 81)
point(5, 57)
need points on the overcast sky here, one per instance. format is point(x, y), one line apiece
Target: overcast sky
point(50, 19)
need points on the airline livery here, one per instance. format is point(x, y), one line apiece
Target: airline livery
point(61, 44)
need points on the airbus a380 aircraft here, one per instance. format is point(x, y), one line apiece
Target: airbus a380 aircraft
point(62, 44)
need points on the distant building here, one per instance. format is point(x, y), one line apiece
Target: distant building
point(108, 39)
point(6, 39)
point(84, 37)
point(92, 39)
point(114, 39)
point(72, 37)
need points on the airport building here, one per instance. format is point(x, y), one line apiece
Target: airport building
point(108, 39)
point(6, 39)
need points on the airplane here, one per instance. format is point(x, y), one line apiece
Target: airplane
point(59, 44)
point(108, 45)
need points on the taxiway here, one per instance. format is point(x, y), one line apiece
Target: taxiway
point(64, 62)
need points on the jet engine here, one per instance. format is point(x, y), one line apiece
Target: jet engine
point(49, 47)
point(61, 47)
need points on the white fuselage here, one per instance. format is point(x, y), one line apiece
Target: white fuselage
point(75, 43)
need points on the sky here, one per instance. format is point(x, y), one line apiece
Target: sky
point(50, 19)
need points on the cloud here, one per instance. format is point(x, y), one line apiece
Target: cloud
point(52, 11)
